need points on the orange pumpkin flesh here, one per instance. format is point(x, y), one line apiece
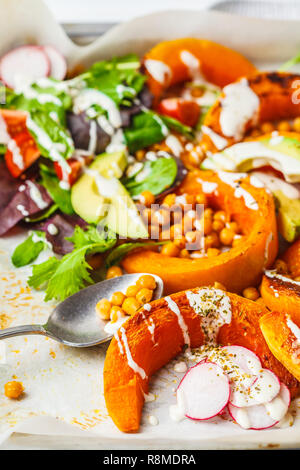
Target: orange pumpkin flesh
point(237, 268)
point(292, 257)
point(218, 64)
point(274, 90)
point(124, 388)
point(281, 296)
point(281, 341)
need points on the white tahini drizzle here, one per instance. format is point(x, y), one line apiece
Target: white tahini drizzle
point(16, 154)
point(214, 306)
point(36, 195)
point(160, 71)
point(239, 106)
point(93, 136)
point(232, 180)
point(174, 145)
point(89, 97)
point(175, 309)
point(218, 141)
point(134, 366)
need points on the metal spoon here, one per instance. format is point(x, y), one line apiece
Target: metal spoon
point(74, 321)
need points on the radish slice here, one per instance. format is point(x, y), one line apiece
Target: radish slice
point(27, 63)
point(204, 391)
point(58, 64)
point(244, 358)
point(241, 365)
point(262, 416)
point(263, 390)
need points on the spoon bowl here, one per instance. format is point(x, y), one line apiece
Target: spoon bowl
point(74, 321)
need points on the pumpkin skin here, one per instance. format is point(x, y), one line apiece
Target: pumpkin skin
point(237, 268)
point(281, 341)
point(274, 90)
point(124, 388)
point(218, 64)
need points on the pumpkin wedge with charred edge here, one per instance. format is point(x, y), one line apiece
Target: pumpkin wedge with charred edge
point(217, 64)
point(237, 268)
point(281, 294)
point(274, 91)
point(281, 340)
point(124, 386)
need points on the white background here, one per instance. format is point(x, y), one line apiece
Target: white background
point(106, 11)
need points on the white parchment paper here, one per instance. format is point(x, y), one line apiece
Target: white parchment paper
point(64, 392)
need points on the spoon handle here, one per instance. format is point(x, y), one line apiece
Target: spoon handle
point(22, 330)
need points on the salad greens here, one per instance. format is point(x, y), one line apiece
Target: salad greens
point(29, 250)
point(155, 176)
point(147, 128)
point(66, 276)
point(60, 196)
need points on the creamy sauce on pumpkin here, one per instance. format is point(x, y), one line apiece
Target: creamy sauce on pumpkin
point(160, 71)
point(175, 309)
point(239, 106)
point(218, 141)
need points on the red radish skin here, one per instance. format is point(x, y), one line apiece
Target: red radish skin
point(28, 61)
point(205, 383)
point(259, 417)
point(58, 64)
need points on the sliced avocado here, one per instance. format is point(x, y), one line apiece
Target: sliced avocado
point(86, 200)
point(278, 151)
point(288, 216)
point(122, 217)
point(98, 196)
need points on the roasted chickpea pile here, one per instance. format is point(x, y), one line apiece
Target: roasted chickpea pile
point(129, 303)
point(281, 126)
point(283, 269)
point(189, 234)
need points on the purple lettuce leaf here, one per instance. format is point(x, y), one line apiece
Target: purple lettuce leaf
point(65, 225)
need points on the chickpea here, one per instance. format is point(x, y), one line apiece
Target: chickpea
point(169, 200)
point(212, 252)
point(220, 215)
point(296, 124)
point(201, 199)
point(161, 217)
point(211, 241)
point(251, 293)
point(176, 231)
point(13, 389)
point(184, 253)
point(284, 126)
point(281, 266)
point(144, 295)
point(147, 198)
point(217, 225)
point(237, 239)
point(103, 308)
point(191, 236)
point(180, 242)
point(197, 92)
point(131, 305)
point(147, 281)
point(116, 313)
point(117, 298)
point(267, 127)
point(140, 155)
point(190, 199)
point(208, 213)
point(226, 236)
point(114, 271)
point(132, 291)
point(233, 226)
point(208, 226)
point(170, 249)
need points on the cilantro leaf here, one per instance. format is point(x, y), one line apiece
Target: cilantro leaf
point(154, 176)
point(29, 250)
point(147, 128)
point(71, 273)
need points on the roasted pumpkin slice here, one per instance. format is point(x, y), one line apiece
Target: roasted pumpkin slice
point(282, 335)
point(172, 62)
point(241, 266)
point(281, 294)
point(137, 351)
point(265, 96)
